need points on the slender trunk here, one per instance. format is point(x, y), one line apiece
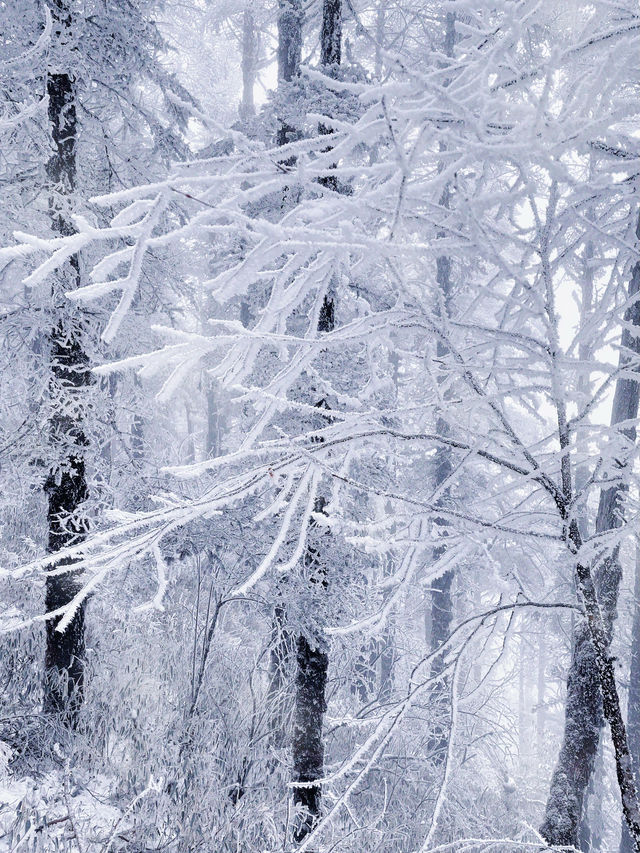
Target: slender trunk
point(388, 640)
point(633, 703)
point(312, 659)
point(282, 642)
point(249, 64)
point(331, 34)
point(441, 588)
point(591, 680)
point(523, 739)
point(585, 838)
point(66, 484)
point(541, 711)
point(289, 54)
point(312, 664)
point(308, 744)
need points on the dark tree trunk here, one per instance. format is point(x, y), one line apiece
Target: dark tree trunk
point(308, 744)
point(312, 664)
point(633, 703)
point(589, 665)
point(282, 641)
point(66, 485)
point(289, 54)
point(605, 680)
point(312, 659)
point(331, 35)
point(66, 490)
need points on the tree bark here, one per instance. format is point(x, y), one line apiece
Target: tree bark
point(282, 641)
point(312, 664)
point(633, 702)
point(66, 484)
point(312, 658)
point(331, 33)
point(591, 678)
point(289, 54)
point(308, 744)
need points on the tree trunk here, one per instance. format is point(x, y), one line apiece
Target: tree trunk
point(282, 642)
point(66, 484)
point(331, 34)
point(541, 710)
point(308, 744)
point(249, 64)
point(441, 597)
point(633, 703)
point(585, 685)
point(590, 831)
point(289, 54)
point(605, 681)
point(312, 659)
point(312, 664)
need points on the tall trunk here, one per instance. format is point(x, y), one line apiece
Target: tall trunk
point(388, 639)
point(585, 838)
point(66, 485)
point(308, 744)
point(585, 687)
point(541, 711)
point(289, 53)
point(441, 621)
point(331, 33)
point(523, 720)
point(282, 642)
point(605, 684)
point(249, 64)
point(633, 703)
point(312, 664)
point(312, 659)
point(589, 832)
point(441, 596)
